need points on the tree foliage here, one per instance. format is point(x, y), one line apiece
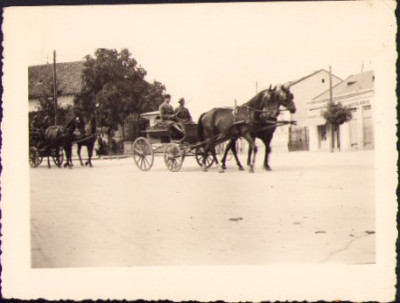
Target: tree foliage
point(336, 114)
point(114, 86)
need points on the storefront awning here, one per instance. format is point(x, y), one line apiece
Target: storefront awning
point(315, 121)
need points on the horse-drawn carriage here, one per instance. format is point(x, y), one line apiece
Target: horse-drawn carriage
point(160, 138)
point(257, 118)
point(53, 141)
point(39, 148)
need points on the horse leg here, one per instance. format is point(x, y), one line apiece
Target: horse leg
point(68, 152)
point(205, 153)
point(252, 149)
point(227, 148)
point(267, 142)
point(267, 152)
point(90, 153)
point(214, 154)
point(79, 153)
point(234, 151)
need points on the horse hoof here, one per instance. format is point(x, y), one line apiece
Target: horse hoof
point(205, 169)
point(251, 170)
point(241, 168)
point(223, 167)
point(221, 170)
point(267, 168)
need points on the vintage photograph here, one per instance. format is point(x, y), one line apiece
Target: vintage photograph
point(185, 137)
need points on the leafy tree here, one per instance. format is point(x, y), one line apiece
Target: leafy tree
point(114, 87)
point(336, 114)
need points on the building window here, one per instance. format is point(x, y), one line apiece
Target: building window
point(323, 80)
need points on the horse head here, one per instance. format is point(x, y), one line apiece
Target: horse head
point(269, 104)
point(286, 99)
point(76, 122)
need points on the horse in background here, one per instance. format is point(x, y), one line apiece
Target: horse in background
point(221, 124)
point(63, 137)
point(88, 139)
point(265, 129)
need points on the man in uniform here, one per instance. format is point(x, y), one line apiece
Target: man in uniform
point(182, 113)
point(166, 110)
point(168, 117)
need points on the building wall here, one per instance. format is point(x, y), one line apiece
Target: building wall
point(303, 92)
point(307, 89)
point(356, 134)
point(61, 101)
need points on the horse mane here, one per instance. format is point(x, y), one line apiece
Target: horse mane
point(71, 123)
point(92, 123)
point(256, 101)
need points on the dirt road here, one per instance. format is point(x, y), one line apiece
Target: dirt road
point(312, 208)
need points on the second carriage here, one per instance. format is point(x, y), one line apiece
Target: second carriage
point(159, 138)
point(38, 149)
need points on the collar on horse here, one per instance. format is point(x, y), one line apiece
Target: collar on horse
point(249, 109)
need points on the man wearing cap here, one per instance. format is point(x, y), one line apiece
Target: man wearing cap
point(168, 117)
point(182, 113)
point(166, 110)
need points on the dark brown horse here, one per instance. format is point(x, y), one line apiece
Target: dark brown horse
point(265, 129)
point(58, 137)
point(221, 124)
point(88, 139)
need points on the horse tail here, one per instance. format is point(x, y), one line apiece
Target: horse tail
point(200, 128)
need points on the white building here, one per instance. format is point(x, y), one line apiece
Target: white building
point(357, 92)
point(288, 138)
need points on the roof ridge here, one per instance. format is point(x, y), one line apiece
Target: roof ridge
point(291, 83)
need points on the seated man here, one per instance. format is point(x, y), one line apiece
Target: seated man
point(168, 117)
point(182, 113)
point(166, 110)
point(40, 126)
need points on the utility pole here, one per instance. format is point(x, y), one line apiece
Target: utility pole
point(331, 100)
point(330, 84)
point(55, 87)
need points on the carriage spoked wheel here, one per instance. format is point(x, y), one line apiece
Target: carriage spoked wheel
point(200, 155)
point(58, 157)
point(173, 157)
point(143, 154)
point(34, 157)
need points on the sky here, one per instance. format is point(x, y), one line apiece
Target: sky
point(211, 54)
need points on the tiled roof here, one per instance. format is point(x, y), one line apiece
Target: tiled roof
point(68, 78)
point(354, 84)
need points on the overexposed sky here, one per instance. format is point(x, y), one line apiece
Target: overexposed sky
point(212, 54)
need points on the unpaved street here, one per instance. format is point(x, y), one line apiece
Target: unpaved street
point(312, 208)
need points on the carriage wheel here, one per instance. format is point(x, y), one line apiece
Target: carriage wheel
point(34, 157)
point(200, 155)
point(173, 157)
point(143, 154)
point(58, 157)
